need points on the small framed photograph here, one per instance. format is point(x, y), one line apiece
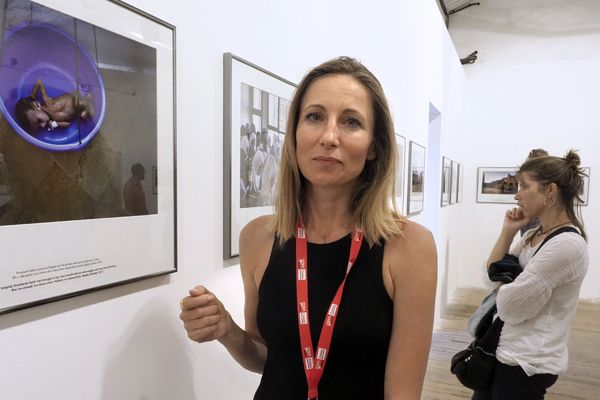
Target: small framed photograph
point(497, 185)
point(400, 173)
point(446, 175)
point(459, 190)
point(454, 183)
point(416, 178)
point(585, 190)
point(255, 110)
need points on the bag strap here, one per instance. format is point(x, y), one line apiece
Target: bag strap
point(491, 337)
point(556, 232)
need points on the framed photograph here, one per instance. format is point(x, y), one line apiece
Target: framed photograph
point(416, 182)
point(459, 190)
point(446, 178)
point(400, 172)
point(454, 183)
point(255, 109)
point(497, 185)
point(81, 128)
point(585, 190)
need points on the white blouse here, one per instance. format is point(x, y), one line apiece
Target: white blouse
point(538, 307)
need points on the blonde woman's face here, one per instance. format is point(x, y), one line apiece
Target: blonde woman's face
point(334, 135)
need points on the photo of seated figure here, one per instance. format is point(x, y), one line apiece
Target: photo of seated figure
point(52, 113)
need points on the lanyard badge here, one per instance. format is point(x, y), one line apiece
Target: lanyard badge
point(315, 363)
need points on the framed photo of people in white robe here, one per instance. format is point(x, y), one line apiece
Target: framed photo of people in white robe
point(78, 208)
point(255, 110)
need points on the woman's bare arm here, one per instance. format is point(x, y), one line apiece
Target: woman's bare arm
point(205, 318)
point(411, 262)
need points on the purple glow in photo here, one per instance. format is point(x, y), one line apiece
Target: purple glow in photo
point(42, 51)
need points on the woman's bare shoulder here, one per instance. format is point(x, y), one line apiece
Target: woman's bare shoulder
point(258, 229)
point(256, 241)
point(413, 235)
point(414, 250)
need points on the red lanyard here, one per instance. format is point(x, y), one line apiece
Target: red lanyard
point(315, 363)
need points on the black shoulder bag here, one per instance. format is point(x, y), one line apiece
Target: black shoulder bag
point(474, 366)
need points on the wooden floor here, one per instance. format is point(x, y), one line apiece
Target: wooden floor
point(580, 382)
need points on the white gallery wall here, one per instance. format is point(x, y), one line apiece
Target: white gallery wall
point(534, 85)
point(127, 342)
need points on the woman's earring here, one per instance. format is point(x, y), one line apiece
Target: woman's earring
point(549, 205)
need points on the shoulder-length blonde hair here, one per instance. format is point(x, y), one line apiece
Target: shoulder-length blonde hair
point(370, 204)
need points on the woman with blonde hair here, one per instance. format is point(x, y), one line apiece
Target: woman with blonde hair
point(339, 289)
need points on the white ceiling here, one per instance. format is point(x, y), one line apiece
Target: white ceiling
point(534, 17)
point(528, 30)
point(454, 4)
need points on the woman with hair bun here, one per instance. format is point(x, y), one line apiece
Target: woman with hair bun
point(539, 306)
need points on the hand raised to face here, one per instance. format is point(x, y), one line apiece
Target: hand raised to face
point(514, 219)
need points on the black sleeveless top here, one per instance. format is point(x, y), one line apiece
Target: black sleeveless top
point(355, 366)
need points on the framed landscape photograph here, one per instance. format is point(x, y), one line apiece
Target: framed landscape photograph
point(585, 190)
point(78, 207)
point(416, 178)
point(400, 172)
point(255, 109)
point(497, 185)
point(446, 176)
point(454, 183)
point(459, 189)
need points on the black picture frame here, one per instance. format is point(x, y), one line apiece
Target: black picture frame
point(91, 253)
point(255, 104)
point(416, 179)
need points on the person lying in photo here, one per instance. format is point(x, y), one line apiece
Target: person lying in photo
point(53, 113)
